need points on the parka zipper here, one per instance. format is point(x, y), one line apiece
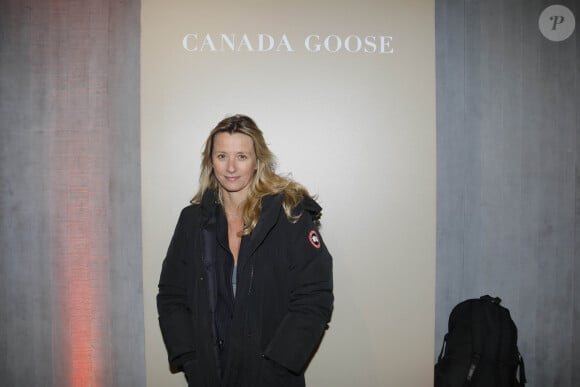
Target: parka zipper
point(209, 272)
point(251, 286)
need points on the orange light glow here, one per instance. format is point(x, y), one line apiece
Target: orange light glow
point(81, 258)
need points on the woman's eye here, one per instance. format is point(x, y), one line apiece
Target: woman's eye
point(242, 157)
point(221, 156)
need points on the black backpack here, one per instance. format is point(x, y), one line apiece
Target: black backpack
point(480, 349)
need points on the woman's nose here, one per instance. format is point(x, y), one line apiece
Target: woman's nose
point(231, 165)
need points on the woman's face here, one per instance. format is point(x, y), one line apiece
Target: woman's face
point(233, 161)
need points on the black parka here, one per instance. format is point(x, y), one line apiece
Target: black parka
point(283, 301)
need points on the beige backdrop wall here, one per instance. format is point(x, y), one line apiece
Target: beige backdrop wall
point(357, 128)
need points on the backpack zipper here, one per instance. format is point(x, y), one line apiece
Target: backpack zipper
point(472, 366)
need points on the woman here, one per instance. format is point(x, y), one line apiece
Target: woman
point(245, 292)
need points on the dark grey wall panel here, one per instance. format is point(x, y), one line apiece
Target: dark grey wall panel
point(127, 326)
point(576, 305)
point(69, 106)
point(25, 316)
point(508, 128)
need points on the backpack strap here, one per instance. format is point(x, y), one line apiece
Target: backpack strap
point(522, 369)
point(442, 348)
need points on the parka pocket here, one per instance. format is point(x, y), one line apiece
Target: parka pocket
point(274, 375)
point(193, 374)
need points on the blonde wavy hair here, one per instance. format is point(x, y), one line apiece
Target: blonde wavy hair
point(265, 181)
